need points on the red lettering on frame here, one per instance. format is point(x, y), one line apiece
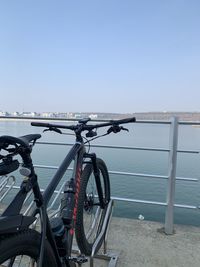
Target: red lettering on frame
point(78, 183)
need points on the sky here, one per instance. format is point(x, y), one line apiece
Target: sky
point(120, 56)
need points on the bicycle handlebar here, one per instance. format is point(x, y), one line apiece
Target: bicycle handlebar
point(127, 120)
point(49, 125)
point(115, 122)
point(40, 124)
point(82, 126)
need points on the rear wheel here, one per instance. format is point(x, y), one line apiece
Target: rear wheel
point(90, 216)
point(22, 249)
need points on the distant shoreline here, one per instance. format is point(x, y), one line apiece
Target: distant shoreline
point(30, 119)
point(150, 116)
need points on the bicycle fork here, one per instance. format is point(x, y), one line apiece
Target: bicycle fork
point(96, 172)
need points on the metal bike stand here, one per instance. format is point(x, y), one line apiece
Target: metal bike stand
point(107, 256)
point(6, 184)
point(110, 257)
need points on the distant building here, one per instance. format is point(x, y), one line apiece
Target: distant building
point(48, 114)
point(61, 115)
point(29, 114)
point(78, 116)
point(4, 113)
point(16, 113)
point(93, 116)
point(69, 115)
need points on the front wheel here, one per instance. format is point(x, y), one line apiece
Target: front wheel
point(22, 249)
point(90, 216)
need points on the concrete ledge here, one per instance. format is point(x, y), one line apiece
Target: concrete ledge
point(143, 244)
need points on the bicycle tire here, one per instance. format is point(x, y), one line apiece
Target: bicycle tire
point(22, 245)
point(86, 206)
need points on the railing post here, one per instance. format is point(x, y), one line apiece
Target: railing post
point(169, 215)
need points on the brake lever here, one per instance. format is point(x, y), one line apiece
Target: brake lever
point(124, 129)
point(116, 129)
point(54, 129)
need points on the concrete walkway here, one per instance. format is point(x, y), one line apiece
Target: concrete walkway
point(143, 244)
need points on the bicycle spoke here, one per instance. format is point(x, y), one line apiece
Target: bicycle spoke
point(20, 261)
point(94, 223)
point(11, 262)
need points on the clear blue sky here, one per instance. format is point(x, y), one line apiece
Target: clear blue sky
point(100, 55)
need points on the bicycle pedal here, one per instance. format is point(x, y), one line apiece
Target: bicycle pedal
point(79, 259)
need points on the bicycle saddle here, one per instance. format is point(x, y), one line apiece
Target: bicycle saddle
point(8, 164)
point(24, 141)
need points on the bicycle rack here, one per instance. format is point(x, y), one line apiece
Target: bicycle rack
point(7, 183)
point(108, 256)
point(104, 232)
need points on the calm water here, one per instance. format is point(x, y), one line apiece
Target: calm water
point(144, 135)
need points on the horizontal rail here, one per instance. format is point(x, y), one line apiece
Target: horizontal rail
point(153, 176)
point(121, 147)
point(153, 202)
point(145, 175)
point(168, 122)
point(127, 199)
point(189, 122)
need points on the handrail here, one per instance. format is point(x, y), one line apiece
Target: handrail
point(145, 175)
point(158, 203)
point(121, 147)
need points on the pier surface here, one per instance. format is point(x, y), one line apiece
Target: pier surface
point(143, 244)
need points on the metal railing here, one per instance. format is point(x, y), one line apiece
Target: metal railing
point(171, 177)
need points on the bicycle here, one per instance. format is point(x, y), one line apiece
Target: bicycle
point(52, 245)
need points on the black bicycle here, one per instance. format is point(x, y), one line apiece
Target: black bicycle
point(83, 204)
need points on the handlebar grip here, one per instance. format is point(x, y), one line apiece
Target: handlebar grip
point(40, 124)
point(127, 120)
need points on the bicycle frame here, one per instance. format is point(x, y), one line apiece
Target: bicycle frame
point(76, 152)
